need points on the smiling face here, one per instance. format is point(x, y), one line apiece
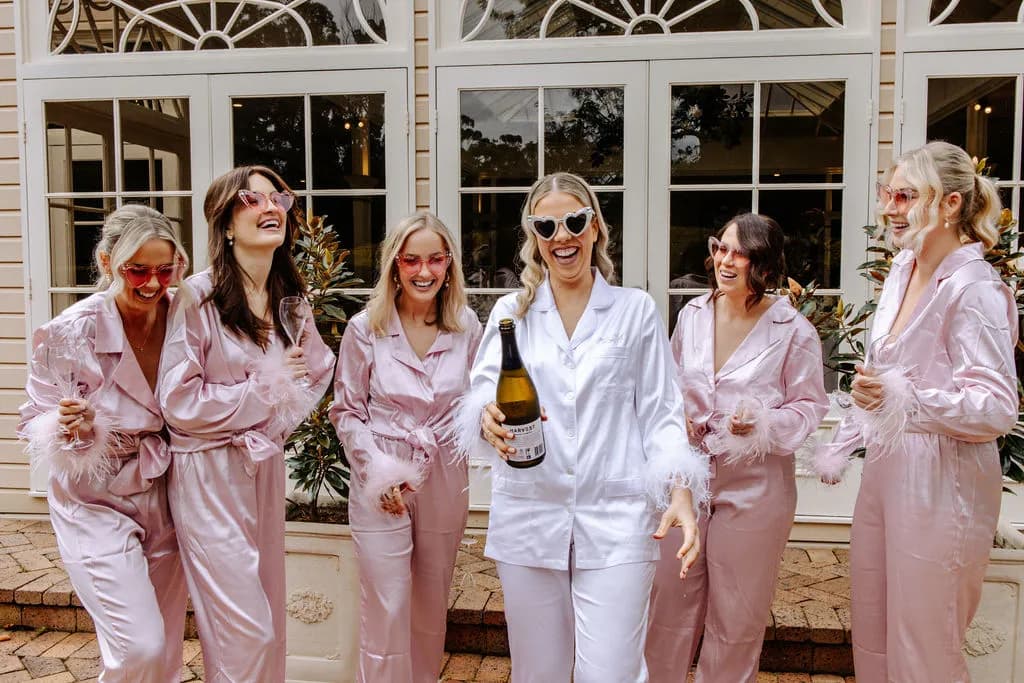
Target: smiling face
point(422, 265)
point(567, 256)
point(153, 254)
point(895, 203)
point(732, 264)
point(255, 228)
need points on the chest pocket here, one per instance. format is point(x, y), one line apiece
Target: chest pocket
point(613, 367)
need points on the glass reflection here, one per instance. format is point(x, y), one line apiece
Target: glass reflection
point(79, 135)
point(584, 130)
point(75, 226)
point(802, 132)
point(693, 217)
point(270, 131)
point(156, 144)
point(712, 133)
point(491, 236)
point(976, 12)
point(347, 141)
point(812, 221)
point(359, 223)
point(976, 114)
point(499, 137)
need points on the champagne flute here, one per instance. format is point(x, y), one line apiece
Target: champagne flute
point(294, 312)
point(62, 363)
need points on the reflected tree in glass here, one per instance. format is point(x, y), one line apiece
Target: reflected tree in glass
point(706, 118)
point(584, 133)
point(270, 131)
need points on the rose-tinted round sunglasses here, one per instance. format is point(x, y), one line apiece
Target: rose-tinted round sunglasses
point(257, 200)
point(437, 263)
point(137, 275)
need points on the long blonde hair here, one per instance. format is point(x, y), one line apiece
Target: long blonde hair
point(935, 170)
point(450, 300)
point(533, 265)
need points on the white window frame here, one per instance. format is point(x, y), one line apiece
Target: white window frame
point(917, 34)
point(631, 76)
point(37, 62)
point(858, 151)
point(859, 34)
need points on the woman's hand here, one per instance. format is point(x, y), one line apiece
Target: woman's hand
point(76, 416)
point(867, 391)
point(295, 361)
point(680, 513)
point(493, 431)
point(392, 503)
point(739, 426)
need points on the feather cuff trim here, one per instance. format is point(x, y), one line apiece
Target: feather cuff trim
point(292, 402)
point(468, 443)
point(46, 439)
point(686, 467)
point(830, 461)
point(386, 471)
point(884, 427)
point(755, 445)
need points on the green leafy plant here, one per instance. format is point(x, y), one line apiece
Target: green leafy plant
point(317, 459)
point(841, 326)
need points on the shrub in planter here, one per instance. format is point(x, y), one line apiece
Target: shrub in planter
point(317, 459)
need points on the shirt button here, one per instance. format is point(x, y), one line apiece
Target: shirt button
point(571, 435)
point(569, 396)
point(571, 471)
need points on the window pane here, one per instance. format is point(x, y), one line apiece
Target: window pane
point(712, 133)
point(976, 114)
point(675, 304)
point(359, 223)
point(584, 130)
point(178, 211)
point(82, 27)
point(976, 12)
point(482, 304)
point(80, 132)
point(155, 145)
point(517, 19)
point(802, 132)
point(499, 137)
point(59, 302)
point(348, 141)
point(611, 209)
point(812, 221)
point(270, 131)
point(75, 226)
point(695, 216)
point(491, 236)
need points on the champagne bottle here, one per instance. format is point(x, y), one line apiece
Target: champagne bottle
point(517, 399)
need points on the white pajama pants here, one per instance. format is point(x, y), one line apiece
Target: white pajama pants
point(579, 625)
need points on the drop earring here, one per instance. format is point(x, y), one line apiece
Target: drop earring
point(231, 240)
point(446, 279)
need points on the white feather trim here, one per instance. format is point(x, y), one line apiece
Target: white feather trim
point(45, 440)
point(884, 426)
point(755, 445)
point(293, 402)
point(385, 471)
point(683, 466)
point(468, 443)
point(829, 461)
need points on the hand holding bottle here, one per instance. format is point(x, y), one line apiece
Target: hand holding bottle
point(492, 428)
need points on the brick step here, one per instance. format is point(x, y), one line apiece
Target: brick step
point(808, 632)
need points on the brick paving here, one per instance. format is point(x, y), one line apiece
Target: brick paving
point(809, 628)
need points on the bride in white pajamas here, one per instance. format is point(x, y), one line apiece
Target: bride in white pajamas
point(575, 538)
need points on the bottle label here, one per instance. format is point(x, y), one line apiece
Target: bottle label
point(529, 441)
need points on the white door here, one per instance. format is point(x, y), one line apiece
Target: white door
point(965, 99)
point(501, 128)
point(94, 144)
point(339, 138)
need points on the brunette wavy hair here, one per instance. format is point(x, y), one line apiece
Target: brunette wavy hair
point(229, 279)
point(763, 240)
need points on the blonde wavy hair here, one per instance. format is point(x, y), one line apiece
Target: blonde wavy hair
point(124, 232)
point(534, 270)
point(937, 169)
point(450, 300)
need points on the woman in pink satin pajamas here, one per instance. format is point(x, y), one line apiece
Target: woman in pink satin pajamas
point(108, 500)
point(403, 365)
point(231, 395)
point(751, 372)
point(939, 387)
